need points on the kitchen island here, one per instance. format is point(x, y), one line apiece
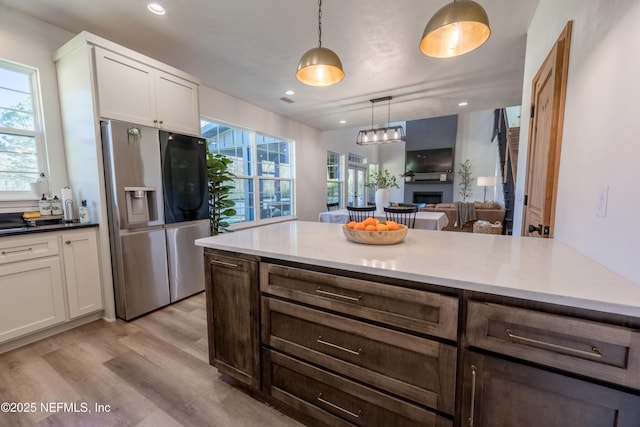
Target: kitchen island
point(435, 330)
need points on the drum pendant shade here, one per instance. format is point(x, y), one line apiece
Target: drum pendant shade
point(458, 28)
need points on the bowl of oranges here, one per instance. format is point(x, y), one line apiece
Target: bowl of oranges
point(372, 231)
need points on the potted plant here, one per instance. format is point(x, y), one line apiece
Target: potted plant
point(382, 180)
point(465, 179)
point(220, 205)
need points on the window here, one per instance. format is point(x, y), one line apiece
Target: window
point(22, 156)
point(335, 180)
point(263, 166)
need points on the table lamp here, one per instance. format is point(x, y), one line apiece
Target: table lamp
point(486, 181)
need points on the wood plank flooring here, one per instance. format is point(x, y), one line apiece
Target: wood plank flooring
point(152, 371)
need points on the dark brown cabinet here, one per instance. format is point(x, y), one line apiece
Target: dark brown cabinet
point(348, 351)
point(341, 349)
point(233, 316)
point(501, 393)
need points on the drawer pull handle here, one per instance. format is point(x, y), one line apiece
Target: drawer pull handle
point(347, 350)
point(224, 264)
point(472, 409)
point(595, 351)
point(333, 405)
point(29, 249)
point(331, 294)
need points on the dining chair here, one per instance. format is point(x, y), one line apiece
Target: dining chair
point(402, 215)
point(360, 214)
point(333, 206)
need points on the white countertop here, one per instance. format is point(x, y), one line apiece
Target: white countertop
point(541, 270)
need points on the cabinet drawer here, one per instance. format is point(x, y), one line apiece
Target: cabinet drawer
point(336, 401)
point(420, 311)
point(597, 350)
point(26, 248)
point(414, 368)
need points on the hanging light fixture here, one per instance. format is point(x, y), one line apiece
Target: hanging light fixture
point(457, 28)
point(381, 135)
point(320, 66)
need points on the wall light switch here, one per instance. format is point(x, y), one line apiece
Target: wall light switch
point(601, 202)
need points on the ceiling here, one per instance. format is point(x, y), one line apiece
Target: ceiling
point(250, 49)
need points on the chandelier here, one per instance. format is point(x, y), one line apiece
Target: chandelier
point(381, 135)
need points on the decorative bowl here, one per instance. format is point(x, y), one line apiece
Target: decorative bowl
point(375, 237)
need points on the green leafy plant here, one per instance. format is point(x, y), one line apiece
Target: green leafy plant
point(382, 179)
point(219, 180)
point(465, 179)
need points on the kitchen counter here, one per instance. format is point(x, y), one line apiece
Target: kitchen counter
point(542, 270)
point(19, 231)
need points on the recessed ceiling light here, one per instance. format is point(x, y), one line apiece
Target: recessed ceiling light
point(290, 92)
point(343, 121)
point(463, 104)
point(156, 8)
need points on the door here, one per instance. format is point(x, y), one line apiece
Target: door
point(356, 186)
point(126, 88)
point(232, 317)
point(142, 284)
point(184, 177)
point(500, 393)
point(177, 104)
point(31, 296)
point(186, 260)
point(545, 138)
point(82, 272)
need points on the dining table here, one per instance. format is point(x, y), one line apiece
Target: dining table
point(424, 220)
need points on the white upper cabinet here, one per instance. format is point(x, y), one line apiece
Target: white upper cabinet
point(131, 91)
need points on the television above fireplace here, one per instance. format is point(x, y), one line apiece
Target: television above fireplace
point(438, 160)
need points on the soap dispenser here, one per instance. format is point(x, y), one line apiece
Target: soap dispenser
point(56, 206)
point(85, 213)
point(45, 206)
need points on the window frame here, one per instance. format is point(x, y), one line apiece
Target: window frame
point(255, 178)
point(340, 181)
point(37, 133)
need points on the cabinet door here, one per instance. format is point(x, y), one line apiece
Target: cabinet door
point(177, 104)
point(502, 393)
point(31, 296)
point(232, 315)
point(126, 88)
point(82, 273)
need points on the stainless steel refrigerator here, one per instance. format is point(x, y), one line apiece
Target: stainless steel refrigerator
point(157, 206)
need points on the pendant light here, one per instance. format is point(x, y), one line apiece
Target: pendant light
point(457, 28)
point(320, 66)
point(381, 135)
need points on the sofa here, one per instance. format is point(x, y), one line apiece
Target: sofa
point(487, 211)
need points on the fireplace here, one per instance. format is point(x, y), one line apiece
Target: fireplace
point(428, 197)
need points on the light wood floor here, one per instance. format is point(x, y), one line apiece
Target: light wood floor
point(152, 372)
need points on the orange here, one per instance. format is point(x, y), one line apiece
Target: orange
point(370, 227)
point(392, 226)
point(370, 221)
point(359, 226)
point(381, 227)
point(351, 225)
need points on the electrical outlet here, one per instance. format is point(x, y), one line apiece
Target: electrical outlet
point(601, 202)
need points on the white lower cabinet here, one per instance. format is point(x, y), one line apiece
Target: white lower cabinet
point(31, 296)
point(82, 273)
point(42, 286)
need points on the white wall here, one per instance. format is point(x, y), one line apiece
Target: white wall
point(601, 129)
point(473, 142)
point(30, 42)
point(311, 156)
